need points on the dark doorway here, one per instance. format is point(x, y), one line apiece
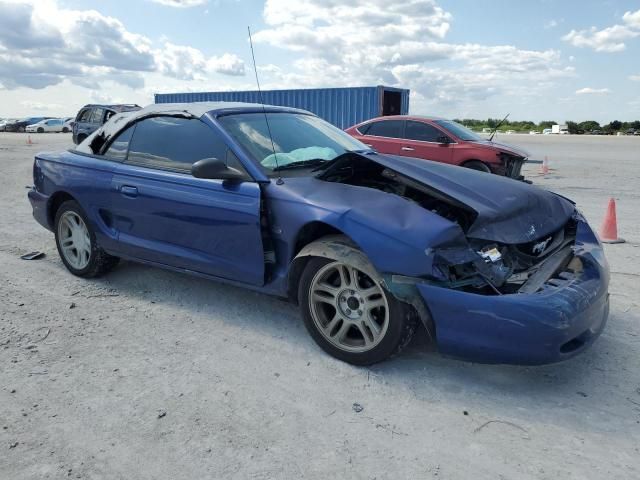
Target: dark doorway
point(391, 103)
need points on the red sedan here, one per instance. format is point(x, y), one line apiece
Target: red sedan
point(440, 140)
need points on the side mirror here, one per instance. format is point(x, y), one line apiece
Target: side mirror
point(444, 139)
point(215, 169)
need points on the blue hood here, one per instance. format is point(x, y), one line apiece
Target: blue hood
point(508, 211)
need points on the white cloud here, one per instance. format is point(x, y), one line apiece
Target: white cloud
point(41, 44)
point(610, 39)
point(635, 78)
point(396, 43)
point(188, 63)
point(593, 91)
point(632, 19)
point(553, 23)
point(40, 106)
point(181, 3)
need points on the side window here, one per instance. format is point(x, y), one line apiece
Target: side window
point(422, 132)
point(174, 143)
point(97, 115)
point(118, 148)
point(85, 115)
point(363, 129)
point(110, 113)
point(386, 128)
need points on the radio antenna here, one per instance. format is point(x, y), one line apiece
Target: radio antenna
point(264, 110)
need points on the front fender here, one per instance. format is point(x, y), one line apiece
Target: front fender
point(395, 234)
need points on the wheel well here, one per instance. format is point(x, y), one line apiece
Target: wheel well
point(475, 160)
point(55, 201)
point(309, 233)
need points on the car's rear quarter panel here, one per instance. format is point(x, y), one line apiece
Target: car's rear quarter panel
point(84, 178)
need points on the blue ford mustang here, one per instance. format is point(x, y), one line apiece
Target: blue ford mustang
point(370, 246)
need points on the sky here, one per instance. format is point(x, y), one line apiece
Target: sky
point(537, 60)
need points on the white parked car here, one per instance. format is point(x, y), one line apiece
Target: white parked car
point(49, 125)
point(546, 131)
point(68, 124)
point(534, 132)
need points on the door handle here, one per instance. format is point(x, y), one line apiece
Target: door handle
point(407, 149)
point(129, 191)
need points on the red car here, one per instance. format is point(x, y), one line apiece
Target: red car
point(440, 140)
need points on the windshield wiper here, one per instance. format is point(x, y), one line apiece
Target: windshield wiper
point(314, 162)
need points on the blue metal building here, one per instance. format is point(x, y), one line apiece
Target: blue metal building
point(342, 107)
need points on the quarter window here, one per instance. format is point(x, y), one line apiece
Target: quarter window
point(174, 143)
point(118, 148)
point(422, 132)
point(386, 128)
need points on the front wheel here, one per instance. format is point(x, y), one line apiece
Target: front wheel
point(40, 130)
point(350, 315)
point(77, 243)
point(477, 165)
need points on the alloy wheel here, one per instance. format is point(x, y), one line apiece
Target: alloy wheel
point(348, 307)
point(74, 239)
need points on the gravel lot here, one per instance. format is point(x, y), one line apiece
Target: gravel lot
point(147, 374)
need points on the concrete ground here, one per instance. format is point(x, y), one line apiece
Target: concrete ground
point(147, 374)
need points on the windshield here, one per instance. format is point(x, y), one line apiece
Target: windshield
point(299, 140)
point(460, 131)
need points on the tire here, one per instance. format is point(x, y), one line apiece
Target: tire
point(22, 129)
point(65, 130)
point(477, 165)
point(89, 259)
point(40, 130)
point(395, 321)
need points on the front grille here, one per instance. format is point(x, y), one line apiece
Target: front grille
point(513, 166)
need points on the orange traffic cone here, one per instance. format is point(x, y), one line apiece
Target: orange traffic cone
point(544, 169)
point(609, 230)
point(29, 142)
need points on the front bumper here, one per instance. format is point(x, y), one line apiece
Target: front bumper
point(557, 322)
point(511, 166)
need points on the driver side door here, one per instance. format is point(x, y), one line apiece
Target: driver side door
point(423, 140)
point(164, 215)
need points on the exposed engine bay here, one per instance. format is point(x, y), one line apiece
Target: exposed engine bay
point(358, 171)
point(483, 267)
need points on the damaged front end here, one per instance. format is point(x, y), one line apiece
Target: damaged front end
point(525, 283)
point(488, 268)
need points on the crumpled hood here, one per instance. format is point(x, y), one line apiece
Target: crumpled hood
point(508, 211)
point(503, 147)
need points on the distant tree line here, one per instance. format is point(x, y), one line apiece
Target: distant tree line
point(526, 126)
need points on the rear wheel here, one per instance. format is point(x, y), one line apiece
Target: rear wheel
point(477, 165)
point(65, 130)
point(349, 313)
point(77, 243)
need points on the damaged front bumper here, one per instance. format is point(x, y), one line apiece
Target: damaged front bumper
point(557, 321)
